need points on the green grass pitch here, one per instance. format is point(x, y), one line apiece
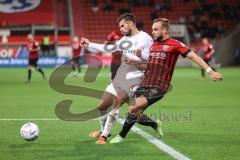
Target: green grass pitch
point(201, 119)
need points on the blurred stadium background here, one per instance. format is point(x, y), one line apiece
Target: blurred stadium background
point(213, 130)
point(56, 22)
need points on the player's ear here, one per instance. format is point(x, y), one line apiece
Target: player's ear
point(165, 30)
point(130, 23)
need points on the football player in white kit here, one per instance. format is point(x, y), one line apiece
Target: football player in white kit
point(135, 45)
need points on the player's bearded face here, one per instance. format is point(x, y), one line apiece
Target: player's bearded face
point(125, 28)
point(129, 32)
point(157, 32)
point(157, 36)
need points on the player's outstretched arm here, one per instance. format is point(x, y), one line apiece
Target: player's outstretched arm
point(200, 62)
point(110, 48)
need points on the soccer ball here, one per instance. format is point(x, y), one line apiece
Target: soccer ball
point(29, 131)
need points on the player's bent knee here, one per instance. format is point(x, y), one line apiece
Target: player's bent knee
point(104, 104)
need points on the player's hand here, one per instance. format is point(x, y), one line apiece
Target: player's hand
point(138, 52)
point(215, 75)
point(84, 42)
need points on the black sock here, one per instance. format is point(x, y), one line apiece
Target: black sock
point(203, 73)
point(79, 69)
point(41, 71)
point(146, 121)
point(29, 74)
point(129, 122)
point(73, 67)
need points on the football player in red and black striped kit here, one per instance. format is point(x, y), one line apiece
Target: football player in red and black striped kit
point(208, 52)
point(116, 56)
point(158, 74)
point(33, 48)
point(76, 56)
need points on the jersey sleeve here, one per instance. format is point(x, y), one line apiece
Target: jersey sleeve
point(182, 49)
point(106, 48)
point(146, 48)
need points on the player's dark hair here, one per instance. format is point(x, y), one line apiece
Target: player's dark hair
point(164, 22)
point(127, 17)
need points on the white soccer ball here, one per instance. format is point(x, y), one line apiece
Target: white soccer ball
point(29, 131)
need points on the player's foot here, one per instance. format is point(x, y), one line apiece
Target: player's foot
point(27, 82)
point(95, 134)
point(158, 130)
point(102, 140)
point(117, 139)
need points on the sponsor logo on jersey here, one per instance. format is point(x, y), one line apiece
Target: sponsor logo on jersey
point(161, 55)
point(165, 47)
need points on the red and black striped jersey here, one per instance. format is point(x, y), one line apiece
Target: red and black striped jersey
point(31, 46)
point(116, 56)
point(207, 52)
point(76, 49)
point(162, 59)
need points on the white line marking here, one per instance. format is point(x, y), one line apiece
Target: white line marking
point(164, 147)
point(159, 144)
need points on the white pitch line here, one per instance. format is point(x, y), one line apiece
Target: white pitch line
point(164, 147)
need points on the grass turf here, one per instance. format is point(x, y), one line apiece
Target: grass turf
point(201, 119)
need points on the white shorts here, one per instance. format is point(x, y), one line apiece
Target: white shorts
point(110, 88)
point(129, 86)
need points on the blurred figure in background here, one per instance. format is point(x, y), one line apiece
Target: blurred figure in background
point(76, 59)
point(46, 45)
point(116, 56)
point(208, 51)
point(33, 48)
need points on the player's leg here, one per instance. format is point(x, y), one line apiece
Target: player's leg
point(106, 101)
point(72, 65)
point(113, 116)
point(202, 74)
point(39, 69)
point(131, 119)
point(145, 97)
point(134, 112)
point(79, 65)
point(29, 72)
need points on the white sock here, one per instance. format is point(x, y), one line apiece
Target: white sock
point(103, 118)
point(111, 120)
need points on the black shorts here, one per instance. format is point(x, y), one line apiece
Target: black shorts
point(76, 60)
point(114, 68)
point(33, 62)
point(207, 61)
point(152, 94)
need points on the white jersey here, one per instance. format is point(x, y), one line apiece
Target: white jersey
point(128, 45)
